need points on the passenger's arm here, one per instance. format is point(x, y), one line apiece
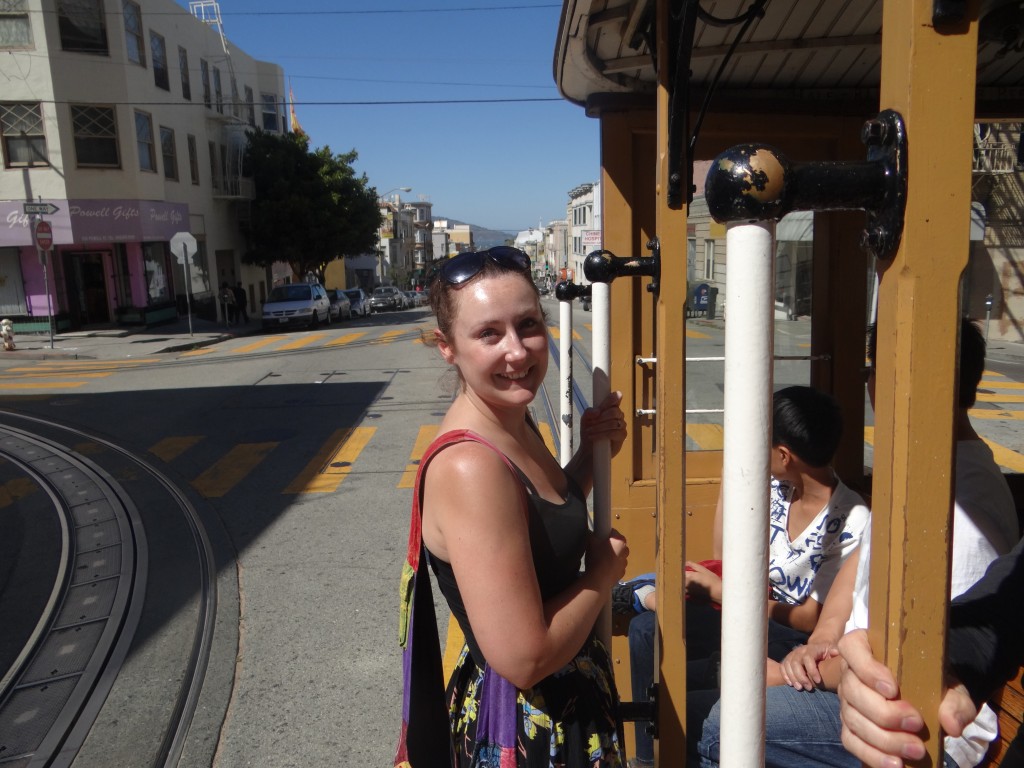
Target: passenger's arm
point(801, 667)
point(475, 519)
point(603, 421)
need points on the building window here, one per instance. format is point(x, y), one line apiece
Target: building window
point(170, 153)
point(82, 26)
point(709, 259)
point(134, 40)
point(250, 107)
point(218, 92)
point(214, 173)
point(144, 141)
point(235, 105)
point(15, 29)
point(186, 83)
point(24, 140)
point(204, 73)
point(193, 158)
point(95, 130)
point(157, 266)
point(159, 50)
point(269, 111)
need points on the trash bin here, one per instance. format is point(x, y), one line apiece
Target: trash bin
point(712, 300)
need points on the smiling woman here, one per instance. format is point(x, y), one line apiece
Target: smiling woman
point(495, 509)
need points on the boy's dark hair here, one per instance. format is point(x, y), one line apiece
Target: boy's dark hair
point(808, 422)
point(972, 360)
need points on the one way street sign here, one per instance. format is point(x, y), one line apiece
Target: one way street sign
point(42, 209)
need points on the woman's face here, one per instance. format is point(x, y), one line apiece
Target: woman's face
point(498, 340)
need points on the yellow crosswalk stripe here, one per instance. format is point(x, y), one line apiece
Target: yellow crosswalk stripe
point(16, 489)
point(48, 384)
point(1005, 457)
point(1001, 385)
point(981, 413)
point(547, 436)
point(708, 437)
point(424, 438)
point(556, 333)
point(348, 338)
point(197, 352)
point(78, 365)
point(230, 470)
point(171, 448)
point(300, 343)
point(253, 346)
point(55, 374)
point(990, 397)
point(692, 334)
point(387, 338)
point(333, 462)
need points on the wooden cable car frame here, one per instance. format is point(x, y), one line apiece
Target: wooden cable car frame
point(622, 61)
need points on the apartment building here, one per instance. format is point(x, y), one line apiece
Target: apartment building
point(584, 220)
point(130, 120)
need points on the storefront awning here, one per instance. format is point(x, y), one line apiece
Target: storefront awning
point(97, 221)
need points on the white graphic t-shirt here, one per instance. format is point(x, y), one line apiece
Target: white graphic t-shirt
point(807, 565)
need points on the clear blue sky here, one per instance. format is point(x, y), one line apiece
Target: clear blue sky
point(506, 165)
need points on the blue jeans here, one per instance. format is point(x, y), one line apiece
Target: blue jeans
point(803, 731)
point(703, 637)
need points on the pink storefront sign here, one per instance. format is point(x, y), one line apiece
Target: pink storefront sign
point(16, 228)
point(112, 221)
point(96, 221)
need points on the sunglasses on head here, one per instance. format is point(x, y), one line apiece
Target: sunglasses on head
point(461, 268)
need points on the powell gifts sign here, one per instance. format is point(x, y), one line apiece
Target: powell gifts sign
point(97, 221)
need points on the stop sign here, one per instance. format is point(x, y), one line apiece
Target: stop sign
point(43, 235)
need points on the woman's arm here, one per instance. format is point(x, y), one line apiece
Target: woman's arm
point(603, 421)
point(474, 518)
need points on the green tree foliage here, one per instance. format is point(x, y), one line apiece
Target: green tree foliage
point(310, 206)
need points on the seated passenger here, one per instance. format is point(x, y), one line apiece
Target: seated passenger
point(803, 717)
point(816, 522)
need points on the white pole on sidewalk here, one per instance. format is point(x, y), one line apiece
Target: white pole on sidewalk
point(565, 381)
point(601, 308)
point(746, 471)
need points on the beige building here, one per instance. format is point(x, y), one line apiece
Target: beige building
point(130, 122)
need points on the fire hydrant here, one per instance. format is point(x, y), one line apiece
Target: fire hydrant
point(7, 332)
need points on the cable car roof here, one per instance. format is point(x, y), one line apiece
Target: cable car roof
point(807, 56)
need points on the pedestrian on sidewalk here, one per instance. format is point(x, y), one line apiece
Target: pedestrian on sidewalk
point(227, 304)
point(241, 304)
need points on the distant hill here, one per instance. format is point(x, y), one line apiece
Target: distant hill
point(483, 237)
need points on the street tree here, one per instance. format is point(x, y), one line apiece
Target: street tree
point(310, 207)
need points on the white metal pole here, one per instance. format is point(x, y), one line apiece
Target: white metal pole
point(188, 286)
point(565, 381)
point(745, 476)
point(601, 323)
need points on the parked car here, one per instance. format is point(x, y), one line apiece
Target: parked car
point(414, 299)
point(341, 307)
point(359, 301)
point(386, 297)
point(296, 304)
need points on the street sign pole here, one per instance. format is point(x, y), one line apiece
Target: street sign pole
point(43, 238)
point(188, 287)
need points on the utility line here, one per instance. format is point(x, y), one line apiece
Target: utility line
point(240, 104)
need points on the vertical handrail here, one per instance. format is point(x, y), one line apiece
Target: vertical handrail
point(745, 481)
point(601, 308)
point(565, 444)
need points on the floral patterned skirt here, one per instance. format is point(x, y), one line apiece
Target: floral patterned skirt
point(568, 720)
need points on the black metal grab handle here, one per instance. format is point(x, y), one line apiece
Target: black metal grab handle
point(567, 290)
point(604, 266)
point(755, 182)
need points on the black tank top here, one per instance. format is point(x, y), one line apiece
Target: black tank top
point(558, 541)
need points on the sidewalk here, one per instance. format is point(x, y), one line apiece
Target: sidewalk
point(126, 343)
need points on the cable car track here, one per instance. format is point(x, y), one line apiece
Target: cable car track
point(97, 602)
